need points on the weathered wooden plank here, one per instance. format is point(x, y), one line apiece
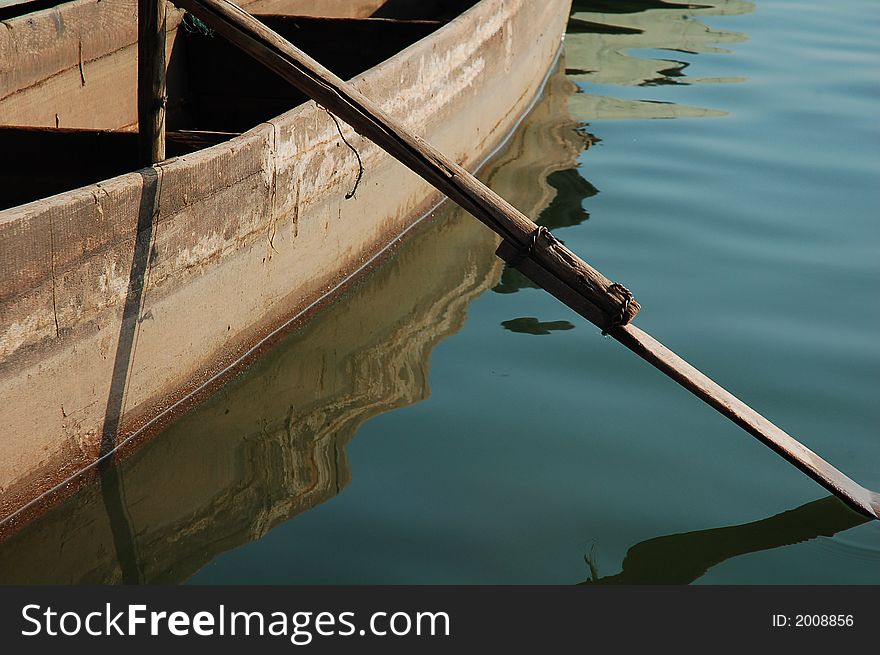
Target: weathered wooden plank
point(74, 65)
point(33, 49)
point(6, 4)
point(43, 163)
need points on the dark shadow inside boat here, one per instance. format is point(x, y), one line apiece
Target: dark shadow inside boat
point(410, 9)
point(627, 6)
point(52, 160)
point(228, 91)
point(405, 9)
point(683, 558)
point(15, 8)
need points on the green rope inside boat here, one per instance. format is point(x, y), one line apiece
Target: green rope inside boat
point(194, 25)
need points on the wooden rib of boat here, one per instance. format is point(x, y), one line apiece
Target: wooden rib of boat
point(130, 292)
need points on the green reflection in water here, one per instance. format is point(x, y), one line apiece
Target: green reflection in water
point(599, 51)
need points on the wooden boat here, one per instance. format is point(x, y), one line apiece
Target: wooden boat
point(129, 293)
point(217, 478)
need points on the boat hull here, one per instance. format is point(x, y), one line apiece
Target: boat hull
point(127, 299)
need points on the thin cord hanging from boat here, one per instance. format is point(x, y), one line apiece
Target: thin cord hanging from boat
point(350, 194)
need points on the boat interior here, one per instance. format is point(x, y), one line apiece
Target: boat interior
point(215, 91)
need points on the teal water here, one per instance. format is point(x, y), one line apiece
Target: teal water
point(445, 422)
point(752, 241)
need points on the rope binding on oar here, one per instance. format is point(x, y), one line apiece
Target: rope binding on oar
point(516, 255)
point(524, 253)
point(620, 318)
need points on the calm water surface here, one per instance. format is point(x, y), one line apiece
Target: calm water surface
point(445, 422)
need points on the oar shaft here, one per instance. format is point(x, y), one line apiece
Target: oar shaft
point(536, 253)
point(659, 356)
point(606, 302)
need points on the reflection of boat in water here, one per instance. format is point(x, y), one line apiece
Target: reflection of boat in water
point(683, 558)
point(601, 35)
point(271, 443)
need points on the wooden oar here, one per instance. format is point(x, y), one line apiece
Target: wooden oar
point(531, 249)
